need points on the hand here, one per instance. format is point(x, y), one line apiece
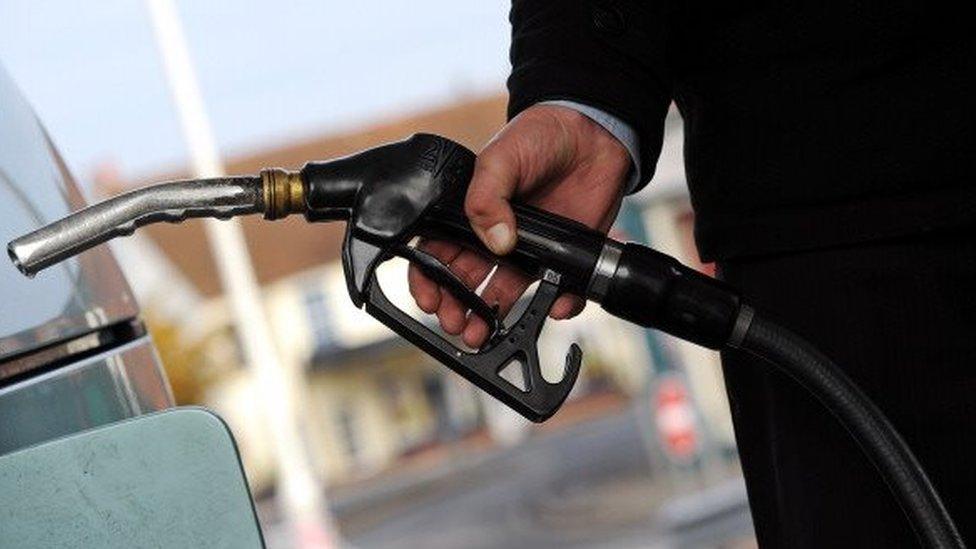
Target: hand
point(550, 157)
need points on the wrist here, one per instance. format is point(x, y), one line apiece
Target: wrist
point(623, 132)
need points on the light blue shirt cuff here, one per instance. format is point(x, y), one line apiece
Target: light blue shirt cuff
point(621, 130)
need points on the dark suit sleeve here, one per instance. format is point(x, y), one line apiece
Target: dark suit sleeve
point(604, 53)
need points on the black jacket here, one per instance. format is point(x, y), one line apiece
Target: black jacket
point(807, 124)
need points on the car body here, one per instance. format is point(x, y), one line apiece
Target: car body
point(74, 353)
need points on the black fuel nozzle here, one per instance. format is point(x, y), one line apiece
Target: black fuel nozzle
point(384, 194)
point(416, 187)
point(389, 196)
point(393, 194)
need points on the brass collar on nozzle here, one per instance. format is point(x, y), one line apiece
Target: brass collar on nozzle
point(284, 193)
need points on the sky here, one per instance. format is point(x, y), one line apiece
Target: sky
point(271, 72)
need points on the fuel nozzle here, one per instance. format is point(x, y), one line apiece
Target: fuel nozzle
point(401, 173)
point(275, 192)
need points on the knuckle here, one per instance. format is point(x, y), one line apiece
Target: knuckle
point(503, 295)
point(479, 207)
point(469, 275)
point(489, 165)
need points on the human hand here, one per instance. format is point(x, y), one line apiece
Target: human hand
point(550, 157)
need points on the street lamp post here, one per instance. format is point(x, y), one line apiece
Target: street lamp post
point(299, 491)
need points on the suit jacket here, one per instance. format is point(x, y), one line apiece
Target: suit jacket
point(807, 124)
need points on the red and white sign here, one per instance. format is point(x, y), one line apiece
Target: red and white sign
point(676, 419)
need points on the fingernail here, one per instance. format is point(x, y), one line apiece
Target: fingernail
point(499, 238)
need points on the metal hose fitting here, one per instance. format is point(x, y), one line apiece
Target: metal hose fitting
point(284, 193)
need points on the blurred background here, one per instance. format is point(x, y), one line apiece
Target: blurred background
point(399, 451)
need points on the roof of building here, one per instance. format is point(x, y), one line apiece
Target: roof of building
point(285, 247)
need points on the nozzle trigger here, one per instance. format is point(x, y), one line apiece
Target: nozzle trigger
point(538, 399)
point(445, 277)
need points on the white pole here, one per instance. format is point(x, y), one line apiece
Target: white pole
point(300, 494)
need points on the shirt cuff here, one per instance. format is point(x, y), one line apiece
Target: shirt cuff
point(622, 131)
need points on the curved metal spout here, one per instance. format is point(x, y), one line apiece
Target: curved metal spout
point(119, 216)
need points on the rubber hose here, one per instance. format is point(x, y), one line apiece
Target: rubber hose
point(866, 423)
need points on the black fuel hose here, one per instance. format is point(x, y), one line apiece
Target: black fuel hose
point(868, 426)
point(651, 289)
point(654, 290)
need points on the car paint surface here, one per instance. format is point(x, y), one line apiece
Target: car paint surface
point(73, 352)
point(75, 297)
point(120, 383)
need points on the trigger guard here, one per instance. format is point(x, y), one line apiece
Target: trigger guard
point(443, 275)
point(541, 399)
point(359, 262)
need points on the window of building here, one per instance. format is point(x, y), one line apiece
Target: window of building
point(347, 429)
point(319, 317)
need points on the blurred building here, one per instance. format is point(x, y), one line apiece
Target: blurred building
point(371, 400)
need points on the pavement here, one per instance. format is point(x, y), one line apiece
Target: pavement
point(584, 485)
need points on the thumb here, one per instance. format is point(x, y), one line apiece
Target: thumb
point(496, 174)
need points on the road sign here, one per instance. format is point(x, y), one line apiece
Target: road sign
point(676, 420)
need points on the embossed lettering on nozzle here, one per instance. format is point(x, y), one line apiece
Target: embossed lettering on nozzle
point(173, 201)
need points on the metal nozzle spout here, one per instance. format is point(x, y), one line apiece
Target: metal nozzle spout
point(119, 216)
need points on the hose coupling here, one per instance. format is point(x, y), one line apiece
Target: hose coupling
point(284, 193)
